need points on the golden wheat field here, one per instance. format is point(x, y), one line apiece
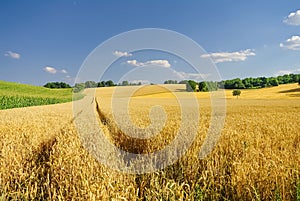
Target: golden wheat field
point(257, 156)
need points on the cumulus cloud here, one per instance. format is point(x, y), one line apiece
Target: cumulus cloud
point(293, 18)
point(50, 70)
point(53, 70)
point(12, 55)
point(134, 63)
point(162, 63)
point(219, 57)
point(122, 54)
point(292, 43)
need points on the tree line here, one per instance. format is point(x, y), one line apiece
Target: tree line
point(260, 82)
point(57, 85)
point(191, 85)
point(92, 84)
point(246, 83)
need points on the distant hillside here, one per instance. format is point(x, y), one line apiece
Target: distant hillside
point(284, 91)
point(13, 89)
point(22, 95)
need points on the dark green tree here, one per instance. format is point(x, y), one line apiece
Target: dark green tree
point(212, 86)
point(248, 82)
point(202, 86)
point(101, 84)
point(183, 82)
point(236, 93)
point(208, 86)
point(294, 78)
point(286, 79)
point(234, 84)
point(264, 82)
point(257, 82)
point(170, 82)
point(125, 83)
point(273, 81)
point(238, 84)
point(109, 83)
point(78, 87)
point(57, 85)
point(90, 84)
point(191, 85)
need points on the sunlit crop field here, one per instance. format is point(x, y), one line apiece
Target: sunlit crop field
point(13, 95)
point(257, 156)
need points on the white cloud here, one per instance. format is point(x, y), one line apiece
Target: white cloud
point(63, 71)
point(219, 57)
point(69, 79)
point(133, 63)
point(139, 81)
point(192, 76)
point(122, 54)
point(50, 70)
point(162, 63)
point(292, 43)
point(284, 72)
point(293, 18)
point(12, 55)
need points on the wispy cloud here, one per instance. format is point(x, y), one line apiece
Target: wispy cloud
point(190, 76)
point(69, 79)
point(12, 55)
point(64, 71)
point(162, 63)
point(50, 70)
point(284, 72)
point(180, 75)
point(292, 43)
point(219, 57)
point(122, 54)
point(293, 18)
point(140, 81)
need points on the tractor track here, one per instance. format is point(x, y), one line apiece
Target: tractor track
point(119, 138)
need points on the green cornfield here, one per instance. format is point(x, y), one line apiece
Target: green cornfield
point(8, 102)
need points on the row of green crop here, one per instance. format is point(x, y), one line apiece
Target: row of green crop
point(7, 102)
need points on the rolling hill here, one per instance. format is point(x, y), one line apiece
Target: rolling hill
point(14, 95)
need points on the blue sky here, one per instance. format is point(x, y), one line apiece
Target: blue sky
point(42, 41)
